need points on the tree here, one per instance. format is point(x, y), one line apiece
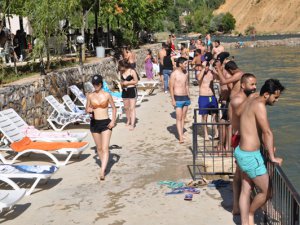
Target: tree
point(228, 23)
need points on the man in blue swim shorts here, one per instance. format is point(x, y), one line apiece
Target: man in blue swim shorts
point(207, 98)
point(254, 127)
point(179, 91)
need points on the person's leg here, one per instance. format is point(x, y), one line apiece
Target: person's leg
point(204, 120)
point(244, 200)
point(179, 121)
point(105, 137)
point(215, 127)
point(132, 103)
point(127, 110)
point(166, 80)
point(98, 141)
point(162, 81)
point(236, 187)
point(262, 182)
point(184, 112)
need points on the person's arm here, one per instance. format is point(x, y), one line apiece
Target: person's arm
point(201, 74)
point(171, 84)
point(135, 79)
point(235, 77)
point(88, 107)
point(114, 112)
point(267, 134)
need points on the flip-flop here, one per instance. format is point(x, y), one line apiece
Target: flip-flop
point(115, 147)
point(175, 192)
point(188, 197)
point(188, 190)
point(171, 184)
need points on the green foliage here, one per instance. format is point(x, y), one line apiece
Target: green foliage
point(214, 4)
point(228, 22)
point(250, 30)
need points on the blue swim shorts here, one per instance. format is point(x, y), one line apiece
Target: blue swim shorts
point(207, 102)
point(182, 101)
point(250, 162)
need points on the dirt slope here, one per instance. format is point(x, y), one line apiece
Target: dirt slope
point(267, 16)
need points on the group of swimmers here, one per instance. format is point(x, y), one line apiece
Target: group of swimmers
point(246, 112)
point(243, 108)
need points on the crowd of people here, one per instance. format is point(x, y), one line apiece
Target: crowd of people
point(241, 106)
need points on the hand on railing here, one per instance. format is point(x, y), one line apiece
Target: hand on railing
point(277, 160)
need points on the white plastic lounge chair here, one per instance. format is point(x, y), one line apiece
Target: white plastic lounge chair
point(63, 117)
point(148, 85)
point(8, 198)
point(37, 135)
point(11, 134)
point(78, 95)
point(71, 105)
point(37, 172)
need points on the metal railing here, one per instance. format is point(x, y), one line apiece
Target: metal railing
point(283, 207)
point(213, 156)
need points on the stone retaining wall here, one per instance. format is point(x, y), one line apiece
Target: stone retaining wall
point(28, 98)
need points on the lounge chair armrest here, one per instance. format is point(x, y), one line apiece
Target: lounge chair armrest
point(10, 182)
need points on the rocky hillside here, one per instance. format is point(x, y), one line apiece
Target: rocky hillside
point(267, 16)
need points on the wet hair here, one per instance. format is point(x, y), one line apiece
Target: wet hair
point(231, 65)
point(183, 45)
point(246, 76)
point(198, 51)
point(271, 86)
point(124, 64)
point(180, 60)
point(164, 45)
point(217, 41)
point(149, 51)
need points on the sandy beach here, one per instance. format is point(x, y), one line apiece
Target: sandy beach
point(130, 193)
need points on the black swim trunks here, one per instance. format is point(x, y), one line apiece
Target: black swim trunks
point(98, 126)
point(130, 92)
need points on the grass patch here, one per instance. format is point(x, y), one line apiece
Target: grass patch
point(8, 75)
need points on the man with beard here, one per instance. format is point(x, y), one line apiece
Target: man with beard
point(248, 86)
point(254, 128)
point(179, 91)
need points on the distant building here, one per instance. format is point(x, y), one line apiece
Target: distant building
point(15, 24)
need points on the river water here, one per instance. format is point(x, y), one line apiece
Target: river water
point(282, 63)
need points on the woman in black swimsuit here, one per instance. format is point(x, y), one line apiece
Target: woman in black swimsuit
point(101, 125)
point(129, 80)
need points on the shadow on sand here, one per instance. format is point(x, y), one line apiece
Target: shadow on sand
point(113, 159)
point(16, 211)
point(227, 204)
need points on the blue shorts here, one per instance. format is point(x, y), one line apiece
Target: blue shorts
point(182, 101)
point(207, 102)
point(250, 162)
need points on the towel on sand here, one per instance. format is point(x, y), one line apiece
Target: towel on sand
point(27, 143)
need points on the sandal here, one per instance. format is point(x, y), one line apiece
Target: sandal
point(188, 190)
point(175, 192)
point(188, 197)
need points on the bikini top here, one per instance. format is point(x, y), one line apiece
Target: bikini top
point(128, 78)
point(102, 105)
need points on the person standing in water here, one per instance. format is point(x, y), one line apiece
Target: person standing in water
point(101, 125)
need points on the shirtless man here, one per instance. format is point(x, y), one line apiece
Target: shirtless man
point(197, 62)
point(184, 51)
point(235, 78)
point(248, 86)
point(255, 130)
point(160, 58)
point(217, 49)
point(179, 91)
point(207, 97)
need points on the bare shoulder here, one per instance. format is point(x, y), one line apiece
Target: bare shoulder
point(237, 100)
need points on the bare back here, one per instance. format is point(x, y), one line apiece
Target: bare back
point(161, 54)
